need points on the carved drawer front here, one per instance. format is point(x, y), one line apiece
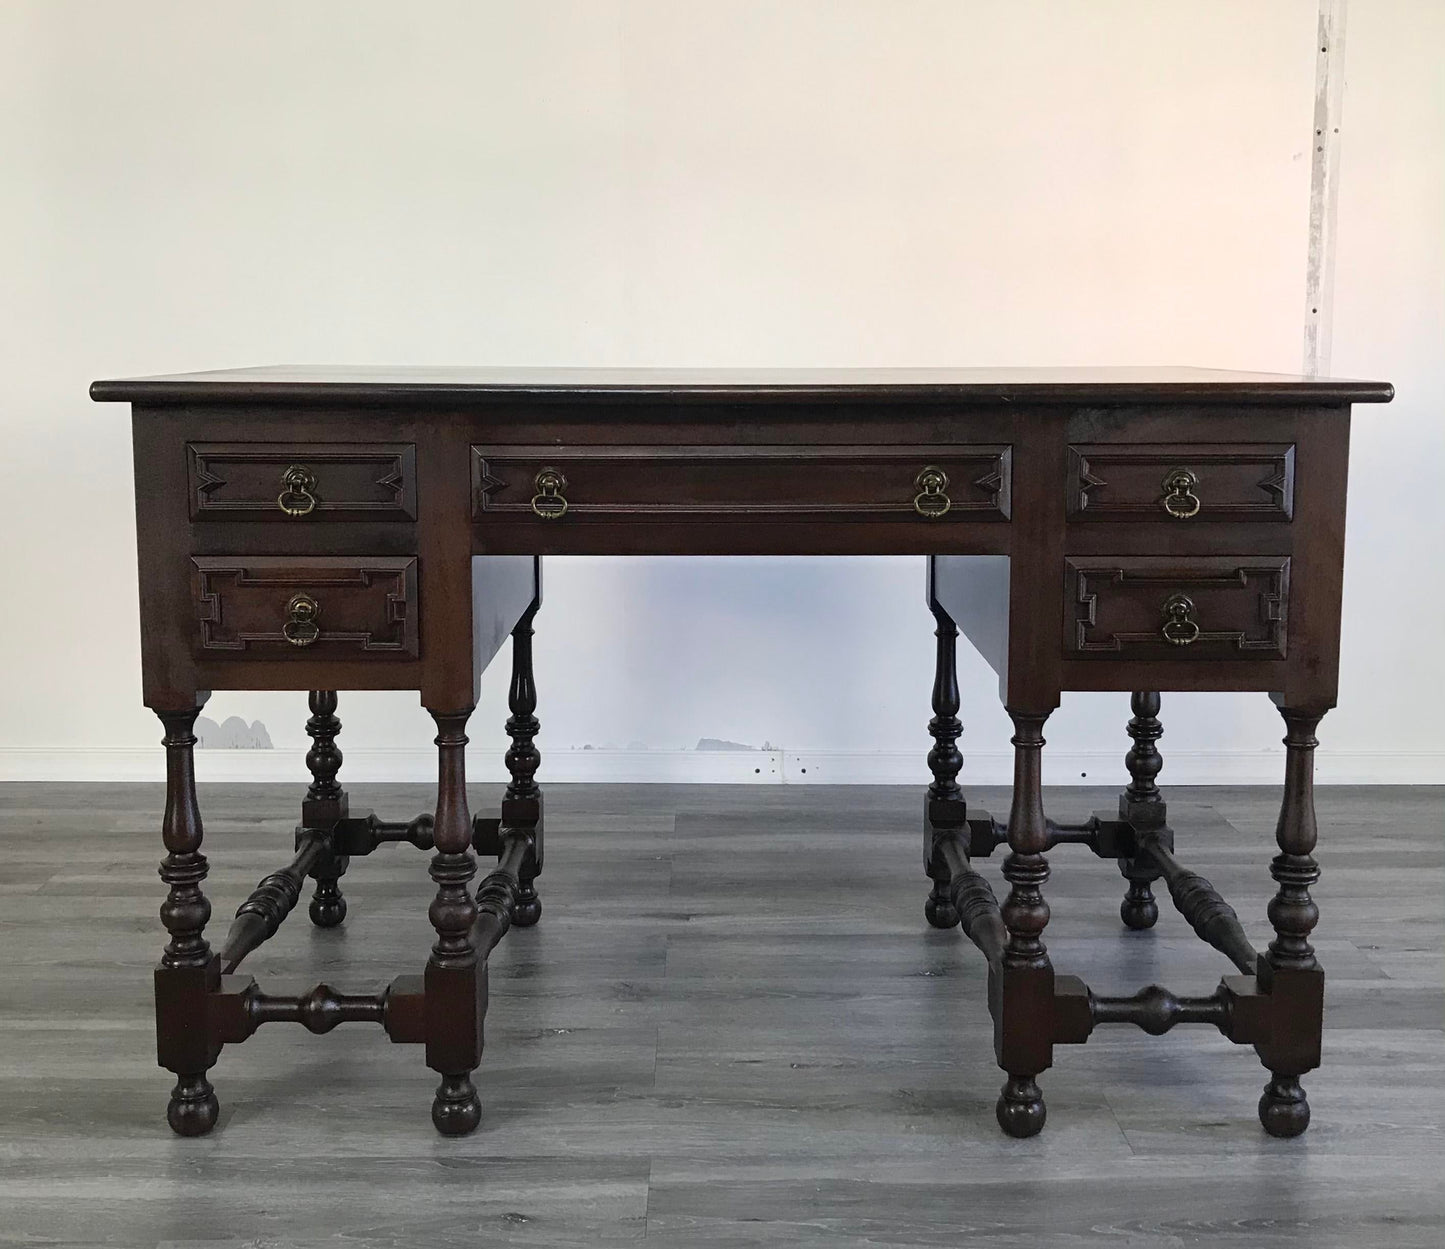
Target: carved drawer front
point(566, 485)
point(302, 605)
point(1224, 607)
point(1183, 482)
point(299, 482)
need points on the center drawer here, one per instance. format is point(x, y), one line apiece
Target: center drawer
point(567, 485)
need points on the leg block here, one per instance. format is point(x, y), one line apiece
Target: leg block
point(455, 1006)
point(1021, 1000)
point(186, 1044)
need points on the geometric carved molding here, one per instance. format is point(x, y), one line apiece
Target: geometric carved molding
point(243, 479)
point(367, 603)
point(1115, 605)
point(702, 483)
point(1109, 481)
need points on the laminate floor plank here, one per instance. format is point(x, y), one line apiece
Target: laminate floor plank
point(731, 1028)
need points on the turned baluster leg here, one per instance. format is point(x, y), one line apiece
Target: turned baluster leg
point(1022, 989)
point(188, 970)
point(1294, 978)
point(944, 805)
point(1143, 806)
point(522, 804)
point(324, 805)
point(456, 988)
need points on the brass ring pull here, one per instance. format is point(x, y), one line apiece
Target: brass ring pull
point(548, 502)
point(296, 497)
point(1179, 627)
point(931, 501)
point(1179, 499)
point(301, 628)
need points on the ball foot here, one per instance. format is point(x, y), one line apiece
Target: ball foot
point(527, 909)
point(328, 907)
point(1021, 1112)
point(1283, 1109)
point(1138, 910)
point(193, 1107)
point(456, 1109)
point(939, 909)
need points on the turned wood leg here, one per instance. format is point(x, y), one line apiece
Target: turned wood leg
point(188, 970)
point(1022, 988)
point(1143, 806)
point(1294, 978)
point(456, 986)
point(324, 805)
point(944, 806)
point(522, 804)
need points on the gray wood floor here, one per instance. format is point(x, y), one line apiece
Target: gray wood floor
point(732, 1027)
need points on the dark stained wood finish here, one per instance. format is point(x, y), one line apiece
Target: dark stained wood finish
point(258, 481)
point(1143, 806)
point(1211, 917)
point(688, 483)
point(324, 806)
point(260, 916)
point(944, 807)
point(522, 803)
point(189, 972)
point(1138, 482)
point(249, 604)
point(346, 385)
point(1067, 532)
point(1289, 969)
point(504, 589)
point(1182, 610)
point(456, 985)
point(1022, 992)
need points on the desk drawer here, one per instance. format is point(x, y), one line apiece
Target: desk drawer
point(294, 482)
point(1219, 607)
point(567, 485)
point(1189, 483)
point(304, 606)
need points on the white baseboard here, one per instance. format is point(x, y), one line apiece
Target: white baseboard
point(1106, 767)
point(760, 767)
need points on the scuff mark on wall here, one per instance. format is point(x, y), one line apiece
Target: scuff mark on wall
point(233, 733)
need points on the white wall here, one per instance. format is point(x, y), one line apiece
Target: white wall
point(698, 181)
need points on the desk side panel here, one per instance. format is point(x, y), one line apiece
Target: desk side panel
point(168, 674)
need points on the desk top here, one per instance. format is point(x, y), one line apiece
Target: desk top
point(434, 386)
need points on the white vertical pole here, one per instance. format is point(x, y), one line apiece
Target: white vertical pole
point(1324, 185)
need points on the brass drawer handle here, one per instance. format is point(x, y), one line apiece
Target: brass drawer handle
point(931, 501)
point(1179, 627)
point(301, 628)
point(548, 502)
point(1179, 499)
point(296, 497)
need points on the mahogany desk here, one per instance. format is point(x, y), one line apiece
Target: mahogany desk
point(324, 529)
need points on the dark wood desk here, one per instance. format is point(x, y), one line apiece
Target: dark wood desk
point(327, 529)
